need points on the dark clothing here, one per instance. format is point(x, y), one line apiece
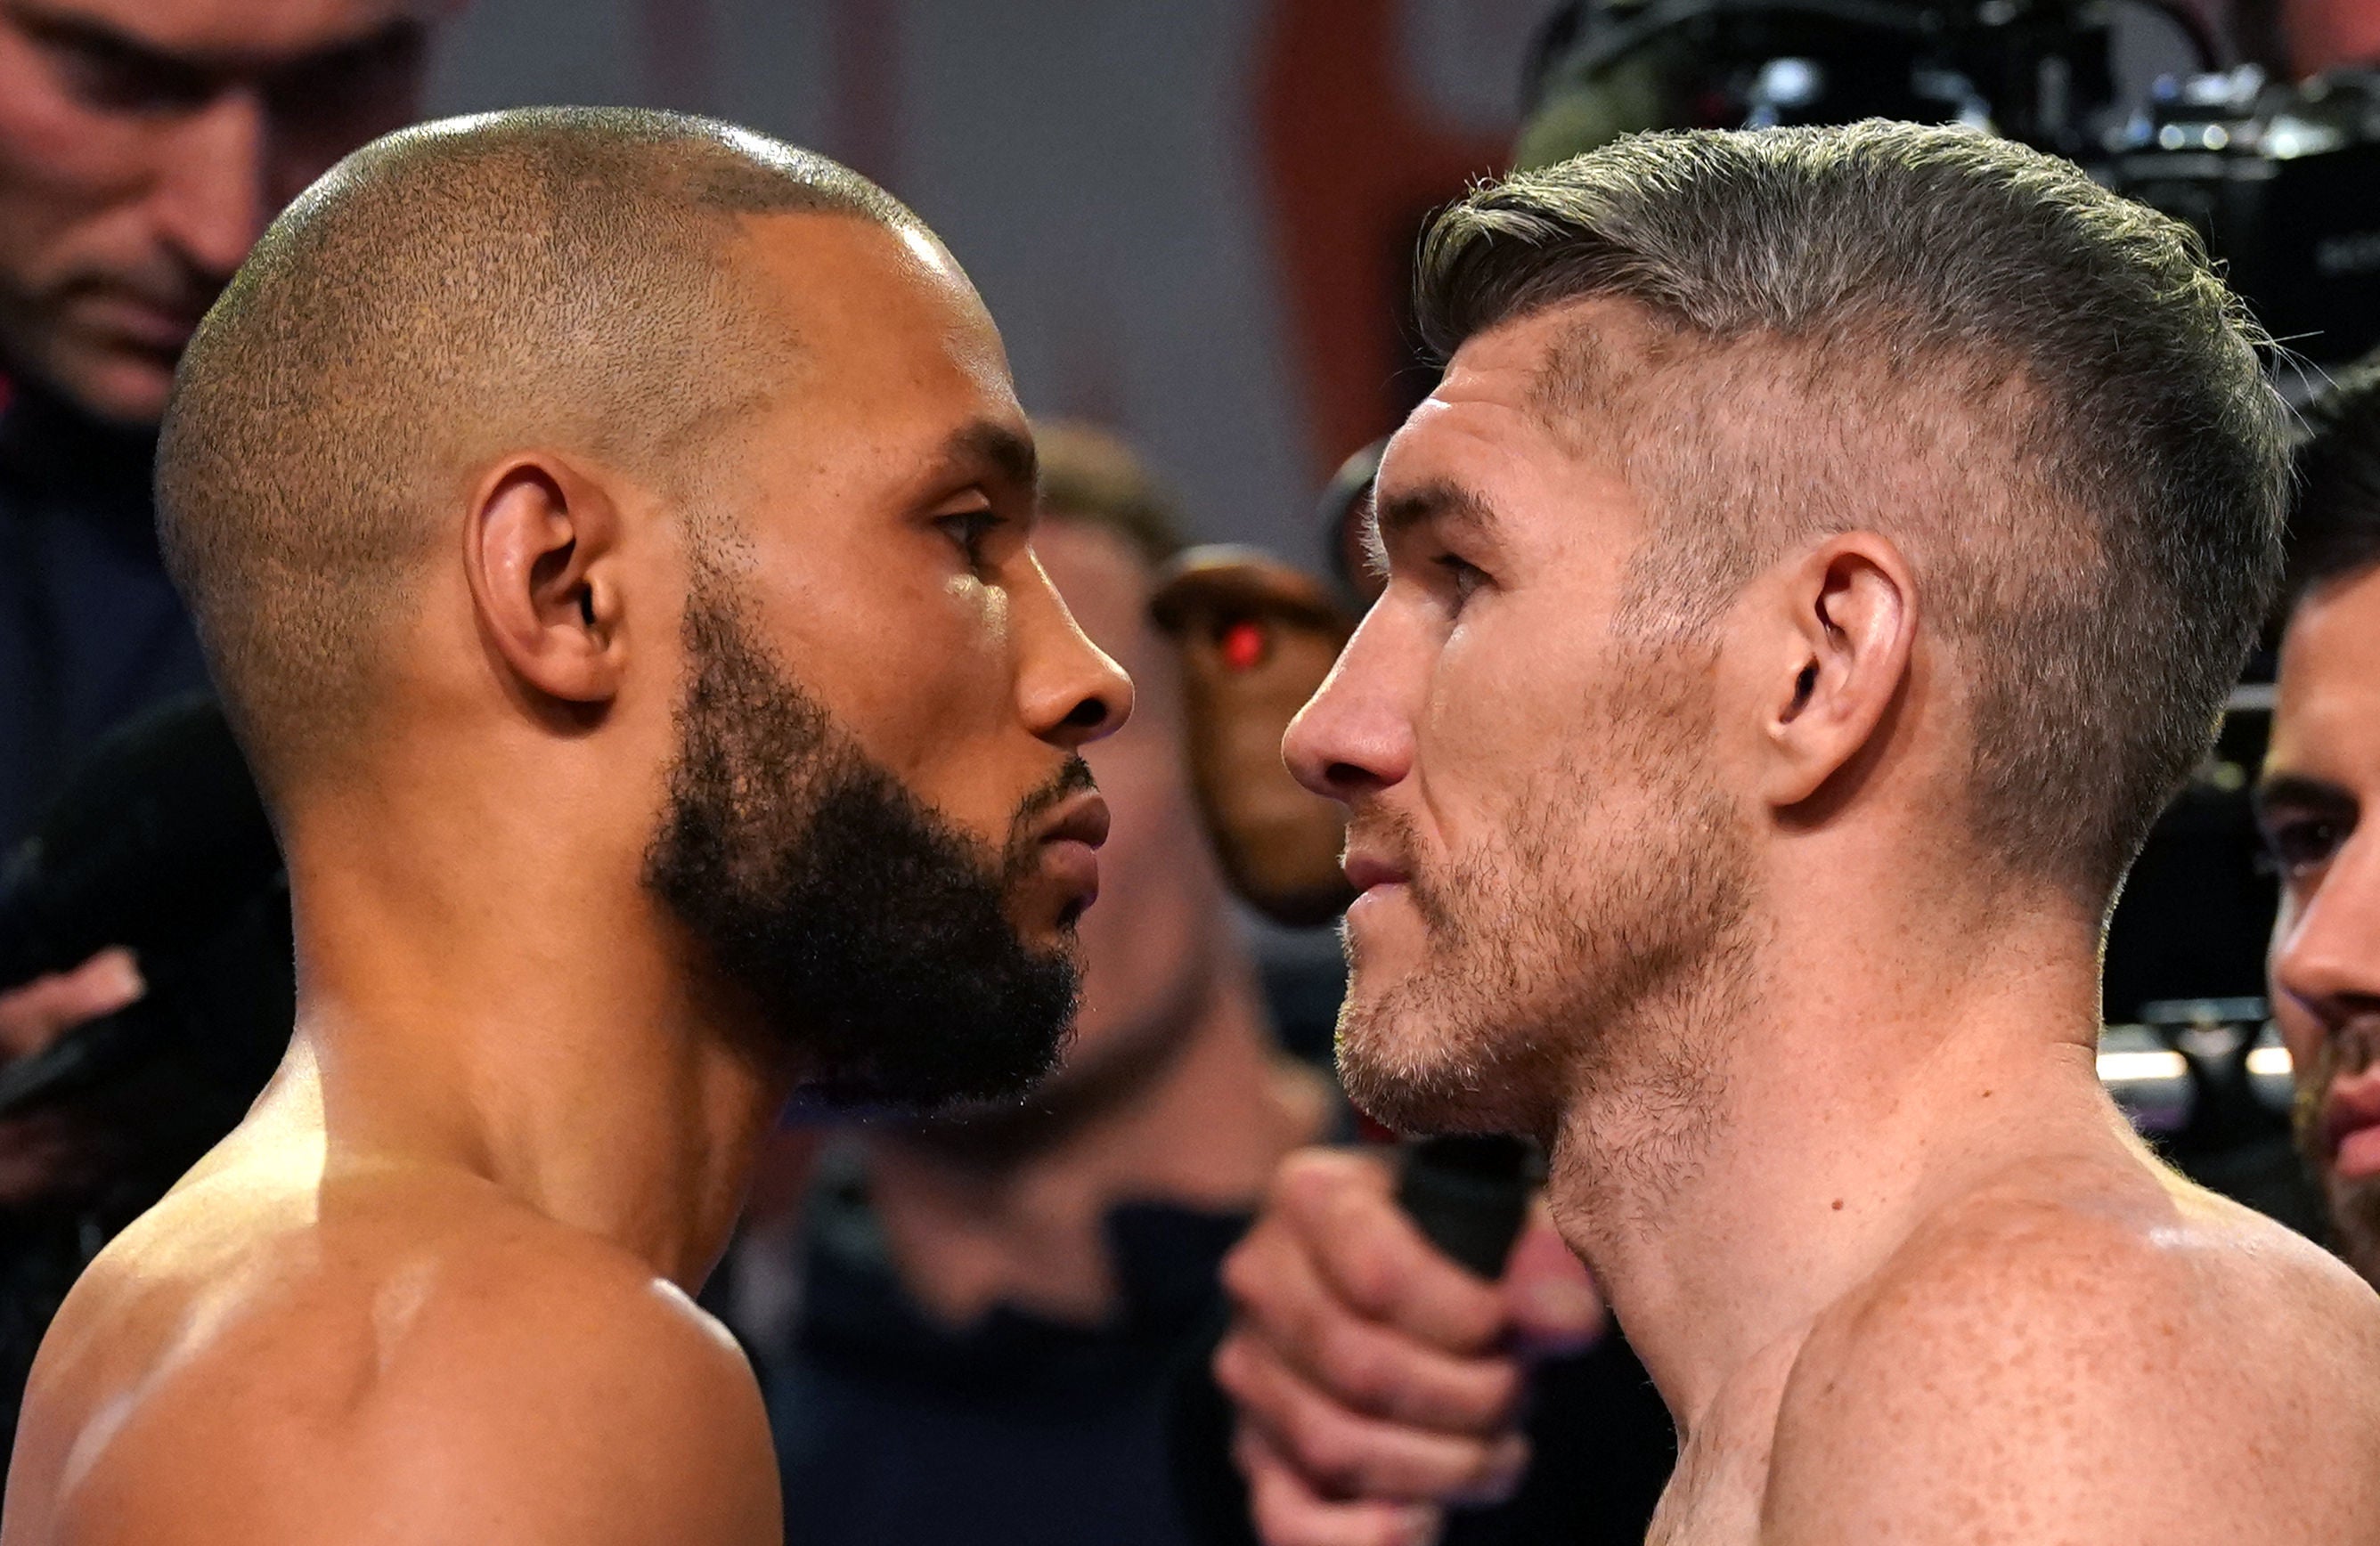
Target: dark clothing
point(91, 631)
point(893, 1428)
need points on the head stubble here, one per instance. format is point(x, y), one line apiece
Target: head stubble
point(1585, 971)
point(870, 932)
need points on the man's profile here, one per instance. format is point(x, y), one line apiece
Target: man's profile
point(610, 533)
point(1825, 552)
point(2315, 802)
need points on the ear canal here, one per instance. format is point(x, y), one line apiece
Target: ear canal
point(1804, 685)
point(587, 604)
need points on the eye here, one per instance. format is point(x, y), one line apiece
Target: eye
point(1462, 577)
point(2297, 846)
point(970, 530)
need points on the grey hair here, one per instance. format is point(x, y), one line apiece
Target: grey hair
point(2042, 389)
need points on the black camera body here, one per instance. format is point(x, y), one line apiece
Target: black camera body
point(2283, 181)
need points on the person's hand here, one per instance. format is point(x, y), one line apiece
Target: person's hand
point(33, 1015)
point(43, 1151)
point(1378, 1382)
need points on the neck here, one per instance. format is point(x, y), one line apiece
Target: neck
point(1842, 1103)
point(1204, 1130)
point(549, 1045)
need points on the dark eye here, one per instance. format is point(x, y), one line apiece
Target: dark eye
point(112, 76)
point(2296, 846)
point(970, 529)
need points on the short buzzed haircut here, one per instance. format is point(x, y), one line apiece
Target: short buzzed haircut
point(554, 277)
point(2039, 389)
point(2335, 521)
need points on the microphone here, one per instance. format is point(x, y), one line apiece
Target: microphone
point(156, 836)
point(1469, 1196)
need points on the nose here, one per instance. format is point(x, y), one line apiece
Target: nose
point(1069, 690)
point(210, 201)
point(1354, 736)
point(2326, 945)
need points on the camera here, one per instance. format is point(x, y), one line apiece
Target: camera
point(2282, 180)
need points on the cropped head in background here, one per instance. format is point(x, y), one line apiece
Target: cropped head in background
point(143, 146)
point(2322, 777)
point(632, 496)
point(1787, 511)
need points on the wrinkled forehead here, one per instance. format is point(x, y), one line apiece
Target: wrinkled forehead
point(2326, 712)
point(1524, 429)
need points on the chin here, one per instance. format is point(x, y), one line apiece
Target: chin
point(1416, 1069)
point(115, 388)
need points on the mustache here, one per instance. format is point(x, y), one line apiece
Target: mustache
point(1073, 778)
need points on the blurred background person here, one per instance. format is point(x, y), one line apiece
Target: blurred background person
point(2316, 805)
point(144, 144)
point(975, 1330)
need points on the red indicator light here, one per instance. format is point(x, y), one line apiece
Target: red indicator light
point(1244, 645)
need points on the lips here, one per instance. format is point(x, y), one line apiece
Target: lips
point(1070, 843)
point(2350, 1126)
point(1365, 870)
point(1082, 819)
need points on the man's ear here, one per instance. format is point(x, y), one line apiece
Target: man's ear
point(1850, 630)
point(539, 552)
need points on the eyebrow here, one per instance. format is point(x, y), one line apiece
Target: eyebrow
point(72, 30)
point(2301, 791)
point(989, 451)
point(1441, 504)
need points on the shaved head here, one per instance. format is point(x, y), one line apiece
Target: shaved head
point(557, 277)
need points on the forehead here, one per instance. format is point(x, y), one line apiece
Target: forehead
point(893, 338)
point(1508, 426)
point(2327, 716)
point(234, 30)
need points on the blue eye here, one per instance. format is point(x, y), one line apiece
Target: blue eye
point(1463, 576)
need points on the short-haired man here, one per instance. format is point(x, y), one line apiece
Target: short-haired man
point(611, 533)
point(143, 146)
point(2315, 802)
point(1825, 555)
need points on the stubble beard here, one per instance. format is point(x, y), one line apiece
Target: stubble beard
point(1583, 974)
point(2353, 1206)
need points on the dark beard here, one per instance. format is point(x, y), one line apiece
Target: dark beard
point(870, 933)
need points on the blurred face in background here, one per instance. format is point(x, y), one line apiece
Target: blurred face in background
point(2321, 774)
point(145, 144)
point(1150, 947)
point(2324, 34)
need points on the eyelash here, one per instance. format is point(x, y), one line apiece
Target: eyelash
point(968, 528)
point(1462, 574)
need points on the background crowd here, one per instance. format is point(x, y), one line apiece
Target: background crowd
point(1194, 224)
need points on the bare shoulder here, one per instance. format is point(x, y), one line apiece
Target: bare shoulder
point(2089, 1359)
point(415, 1363)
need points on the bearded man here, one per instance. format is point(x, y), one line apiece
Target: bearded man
point(2321, 782)
point(610, 532)
point(1825, 552)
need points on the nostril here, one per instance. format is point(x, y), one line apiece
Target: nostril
point(1346, 775)
point(1089, 714)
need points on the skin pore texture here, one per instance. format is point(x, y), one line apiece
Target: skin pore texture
point(143, 146)
point(436, 1285)
point(1699, 909)
point(1172, 1090)
point(2321, 774)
